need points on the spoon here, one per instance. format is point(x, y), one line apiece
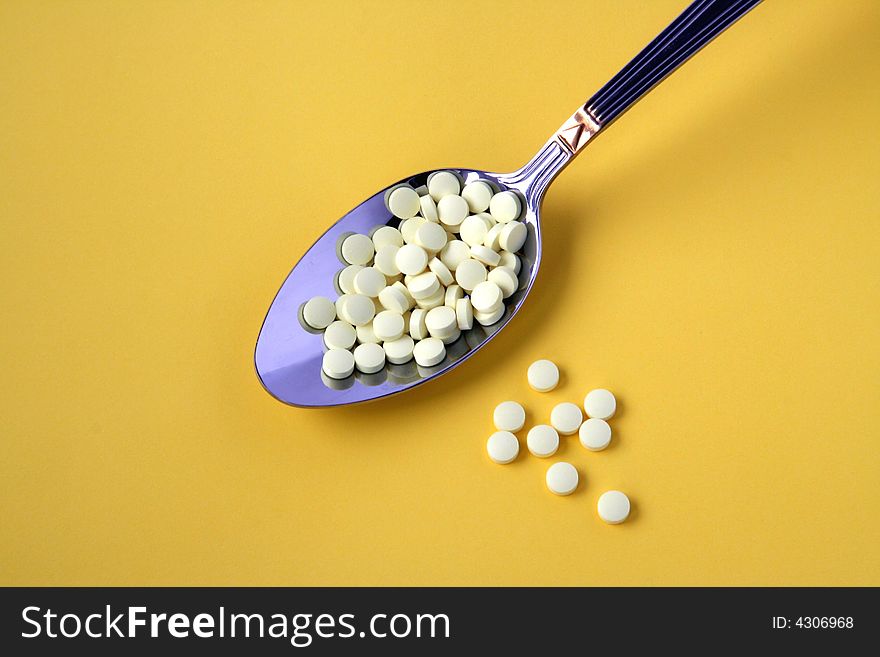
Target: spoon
point(288, 356)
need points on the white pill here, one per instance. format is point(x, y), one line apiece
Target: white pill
point(464, 314)
point(503, 447)
point(394, 300)
point(452, 210)
point(492, 237)
point(504, 207)
point(543, 375)
point(365, 334)
point(409, 228)
point(385, 236)
point(403, 202)
point(369, 358)
point(386, 260)
point(441, 271)
point(489, 318)
point(443, 183)
point(346, 278)
point(338, 363)
point(473, 230)
point(369, 281)
point(428, 207)
point(432, 301)
point(417, 327)
point(595, 434)
point(411, 259)
point(509, 416)
point(478, 194)
point(424, 285)
point(429, 352)
point(357, 249)
point(452, 295)
point(600, 403)
point(319, 312)
point(566, 417)
point(469, 274)
point(340, 306)
point(388, 325)
point(431, 237)
point(562, 478)
point(485, 255)
point(340, 335)
point(542, 440)
point(510, 260)
point(399, 351)
point(359, 309)
point(441, 322)
point(452, 337)
point(504, 278)
point(613, 507)
point(513, 236)
point(486, 297)
point(398, 285)
point(454, 253)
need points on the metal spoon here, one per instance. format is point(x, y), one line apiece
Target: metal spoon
point(288, 358)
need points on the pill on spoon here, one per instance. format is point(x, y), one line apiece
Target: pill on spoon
point(428, 208)
point(357, 249)
point(443, 183)
point(504, 207)
point(509, 416)
point(388, 325)
point(411, 259)
point(562, 478)
point(473, 230)
point(369, 281)
point(542, 440)
point(478, 194)
point(369, 358)
point(429, 352)
point(385, 260)
point(510, 260)
point(470, 273)
point(423, 285)
point(319, 312)
point(365, 334)
point(513, 236)
point(452, 295)
point(486, 297)
point(346, 278)
point(452, 210)
point(504, 278)
point(613, 507)
point(485, 255)
point(385, 236)
point(399, 351)
point(338, 363)
point(441, 271)
point(418, 329)
point(454, 253)
point(431, 236)
point(403, 202)
point(543, 375)
point(441, 322)
point(393, 299)
point(503, 447)
point(566, 418)
point(464, 314)
point(358, 309)
point(489, 318)
point(595, 434)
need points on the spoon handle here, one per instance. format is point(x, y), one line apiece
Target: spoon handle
point(701, 22)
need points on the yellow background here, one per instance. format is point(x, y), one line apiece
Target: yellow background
point(714, 260)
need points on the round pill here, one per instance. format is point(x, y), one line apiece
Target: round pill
point(340, 335)
point(509, 416)
point(340, 306)
point(411, 259)
point(369, 358)
point(386, 260)
point(513, 236)
point(432, 301)
point(403, 202)
point(473, 230)
point(600, 403)
point(562, 478)
point(503, 447)
point(566, 417)
point(452, 337)
point(441, 271)
point(542, 440)
point(394, 300)
point(398, 285)
point(454, 253)
point(428, 208)
point(489, 318)
point(429, 352)
point(452, 210)
point(485, 255)
point(478, 194)
point(505, 279)
point(443, 183)
point(504, 207)
point(418, 329)
point(423, 286)
point(386, 236)
point(492, 237)
point(431, 237)
point(486, 297)
point(369, 281)
point(399, 351)
point(464, 314)
point(469, 274)
point(543, 375)
point(338, 363)
point(357, 249)
point(319, 312)
point(388, 325)
point(441, 322)
point(365, 334)
point(358, 309)
point(409, 227)
point(510, 260)
point(613, 507)
point(346, 278)
point(595, 434)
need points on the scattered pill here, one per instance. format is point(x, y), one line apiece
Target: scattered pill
point(443, 183)
point(452, 210)
point(595, 434)
point(429, 352)
point(428, 208)
point(358, 309)
point(504, 278)
point(452, 296)
point(346, 278)
point(423, 286)
point(504, 207)
point(409, 228)
point(399, 351)
point(492, 239)
point(403, 202)
point(566, 417)
point(464, 314)
point(503, 447)
point(369, 358)
point(411, 259)
point(393, 299)
point(441, 271)
point(509, 416)
point(613, 507)
point(386, 236)
point(385, 260)
point(489, 318)
point(369, 281)
point(600, 403)
point(487, 297)
point(543, 375)
point(319, 312)
point(357, 249)
point(441, 322)
point(485, 255)
point(454, 253)
point(542, 440)
point(365, 334)
point(473, 230)
point(418, 329)
point(478, 194)
point(432, 301)
point(431, 236)
point(510, 260)
point(388, 325)
point(562, 478)
point(513, 236)
point(470, 273)
point(338, 363)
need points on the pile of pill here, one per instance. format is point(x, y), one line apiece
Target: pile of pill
point(409, 291)
point(542, 440)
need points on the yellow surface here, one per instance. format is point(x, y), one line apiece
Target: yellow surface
point(714, 259)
